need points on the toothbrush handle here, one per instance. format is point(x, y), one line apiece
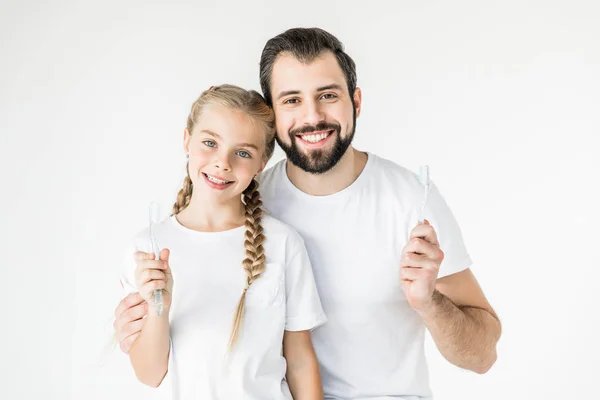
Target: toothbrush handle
point(157, 294)
point(421, 215)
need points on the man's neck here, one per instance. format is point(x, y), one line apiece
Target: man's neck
point(336, 179)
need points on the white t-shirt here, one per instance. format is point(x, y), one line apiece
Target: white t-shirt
point(372, 346)
point(208, 279)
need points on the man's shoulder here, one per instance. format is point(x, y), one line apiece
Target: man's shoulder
point(393, 173)
point(271, 174)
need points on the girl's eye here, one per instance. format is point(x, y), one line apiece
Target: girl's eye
point(243, 154)
point(209, 143)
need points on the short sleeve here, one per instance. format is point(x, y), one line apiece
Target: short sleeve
point(303, 305)
point(437, 212)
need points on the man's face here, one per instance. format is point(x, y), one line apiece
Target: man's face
point(315, 115)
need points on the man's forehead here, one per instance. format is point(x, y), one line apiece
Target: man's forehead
point(289, 73)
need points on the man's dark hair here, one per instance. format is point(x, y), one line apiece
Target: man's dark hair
point(304, 44)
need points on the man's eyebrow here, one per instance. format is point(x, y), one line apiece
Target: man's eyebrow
point(334, 86)
point(287, 93)
point(329, 87)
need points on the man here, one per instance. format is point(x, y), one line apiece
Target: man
point(382, 277)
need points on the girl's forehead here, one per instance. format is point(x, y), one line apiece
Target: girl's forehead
point(229, 124)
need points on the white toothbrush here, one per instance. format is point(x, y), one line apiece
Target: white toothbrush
point(424, 179)
point(155, 219)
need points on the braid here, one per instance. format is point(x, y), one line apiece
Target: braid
point(254, 106)
point(254, 264)
point(184, 196)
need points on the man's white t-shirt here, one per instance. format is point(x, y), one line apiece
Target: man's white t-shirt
point(372, 346)
point(208, 281)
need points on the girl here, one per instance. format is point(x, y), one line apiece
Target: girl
point(244, 298)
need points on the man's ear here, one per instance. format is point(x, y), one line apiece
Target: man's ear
point(357, 99)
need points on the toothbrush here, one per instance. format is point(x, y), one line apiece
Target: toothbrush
point(154, 219)
point(424, 179)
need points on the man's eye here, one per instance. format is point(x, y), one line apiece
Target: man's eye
point(291, 101)
point(328, 96)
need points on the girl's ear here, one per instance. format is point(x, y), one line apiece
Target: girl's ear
point(261, 169)
point(186, 141)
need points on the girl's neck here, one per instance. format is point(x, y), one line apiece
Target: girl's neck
point(205, 216)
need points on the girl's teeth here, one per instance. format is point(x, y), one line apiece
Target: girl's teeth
point(215, 180)
point(315, 138)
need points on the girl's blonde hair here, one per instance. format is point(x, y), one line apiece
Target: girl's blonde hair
point(252, 104)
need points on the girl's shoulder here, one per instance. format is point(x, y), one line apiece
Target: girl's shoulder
point(279, 235)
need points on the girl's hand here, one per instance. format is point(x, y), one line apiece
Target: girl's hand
point(151, 274)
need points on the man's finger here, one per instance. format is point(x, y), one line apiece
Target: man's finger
point(409, 274)
point(417, 261)
point(426, 232)
point(421, 246)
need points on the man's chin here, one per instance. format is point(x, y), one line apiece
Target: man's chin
point(314, 161)
point(314, 165)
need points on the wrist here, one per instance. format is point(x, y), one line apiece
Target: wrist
point(153, 311)
point(430, 309)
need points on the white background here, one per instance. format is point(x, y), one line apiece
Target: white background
point(502, 99)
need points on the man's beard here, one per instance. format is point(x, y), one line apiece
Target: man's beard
point(318, 161)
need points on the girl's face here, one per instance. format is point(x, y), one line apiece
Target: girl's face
point(225, 149)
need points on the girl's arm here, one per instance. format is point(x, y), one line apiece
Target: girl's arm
point(302, 373)
point(149, 353)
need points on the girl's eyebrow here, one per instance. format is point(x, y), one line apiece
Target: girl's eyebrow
point(211, 133)
point(239, 144)
point(248, 145)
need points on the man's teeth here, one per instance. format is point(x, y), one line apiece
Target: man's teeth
point(215, 180)
point(315, 138)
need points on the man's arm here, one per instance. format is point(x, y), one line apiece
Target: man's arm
point(462, 323)
point(454, 309)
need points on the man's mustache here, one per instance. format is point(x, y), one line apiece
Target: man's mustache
point(321, 126)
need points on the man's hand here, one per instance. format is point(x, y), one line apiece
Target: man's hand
point(419, 266)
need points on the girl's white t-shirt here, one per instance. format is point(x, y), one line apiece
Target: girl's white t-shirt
point(208, 280)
